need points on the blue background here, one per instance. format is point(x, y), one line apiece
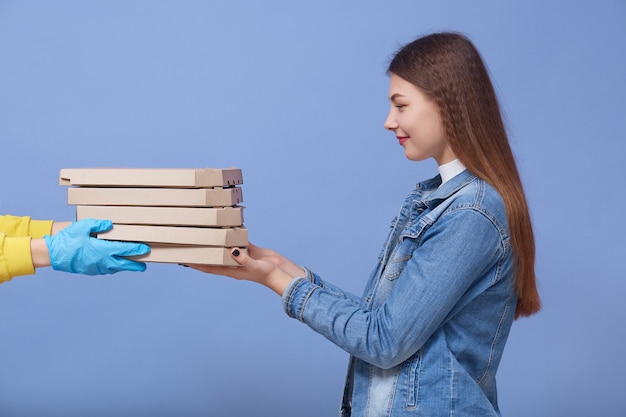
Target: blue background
point(295, 94)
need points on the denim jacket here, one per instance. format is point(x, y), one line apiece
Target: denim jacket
point(426, 337)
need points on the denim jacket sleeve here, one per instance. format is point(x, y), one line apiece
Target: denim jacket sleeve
point(318, 282)
point(439, 270)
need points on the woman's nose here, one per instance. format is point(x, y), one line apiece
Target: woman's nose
point(390, 123)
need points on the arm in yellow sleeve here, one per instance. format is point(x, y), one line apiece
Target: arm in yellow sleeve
point(24, 226)
point(24, 248)
point(15, 244)
point(15, 258)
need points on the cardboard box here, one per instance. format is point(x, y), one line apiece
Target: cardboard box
point(151, 177)
point(166, 197)
point(165, 216)
point(181, 254)
point(205, 236)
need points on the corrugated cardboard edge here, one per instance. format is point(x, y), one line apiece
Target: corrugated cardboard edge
point(151, 177)
point(165, 216)
point(181, 254)
point(168, 197)
point(205, 236)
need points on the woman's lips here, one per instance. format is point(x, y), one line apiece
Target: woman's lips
point(402, 139)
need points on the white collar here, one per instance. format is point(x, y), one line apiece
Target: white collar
point(450, 170)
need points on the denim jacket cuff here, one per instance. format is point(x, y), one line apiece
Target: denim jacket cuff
point(297, 293)
point(313, 277)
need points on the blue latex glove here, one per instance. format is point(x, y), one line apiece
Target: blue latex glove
point(75, 250)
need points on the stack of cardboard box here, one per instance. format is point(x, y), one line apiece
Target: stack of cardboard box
point(185, 215)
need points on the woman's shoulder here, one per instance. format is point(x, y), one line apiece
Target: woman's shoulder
point(467, 192)
point(464, 191)
point(478, 195)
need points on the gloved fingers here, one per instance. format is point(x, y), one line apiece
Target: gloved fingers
point(87, 226)
point(118, 248)
point(122, 264)
point(96, 225)
point(114, 264)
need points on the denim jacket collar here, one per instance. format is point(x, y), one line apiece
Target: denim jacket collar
point(435, 192)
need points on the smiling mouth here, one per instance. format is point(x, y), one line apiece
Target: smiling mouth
point(402, 139)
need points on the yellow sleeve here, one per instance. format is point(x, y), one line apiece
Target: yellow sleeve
point(15, 235)
point(24, 226)
point(15, 258)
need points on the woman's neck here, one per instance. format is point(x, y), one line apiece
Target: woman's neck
point(450, 170)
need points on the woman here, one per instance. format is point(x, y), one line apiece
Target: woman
point(427, 335)
point(27, 244)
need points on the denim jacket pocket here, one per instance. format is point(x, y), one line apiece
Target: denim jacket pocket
point(412, 372)
point(399, 257)
point(408, 241)
point(395, 267)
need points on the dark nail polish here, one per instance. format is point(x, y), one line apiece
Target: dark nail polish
point(236, 252)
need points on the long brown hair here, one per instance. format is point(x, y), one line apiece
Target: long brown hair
point(448, 68)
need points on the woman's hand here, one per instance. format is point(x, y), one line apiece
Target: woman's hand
point(277, 259)
point(261, 265)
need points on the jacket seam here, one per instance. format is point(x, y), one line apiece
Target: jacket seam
point(306, 299)
point(496, 337)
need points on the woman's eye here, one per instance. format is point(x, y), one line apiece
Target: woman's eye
point(400, 106)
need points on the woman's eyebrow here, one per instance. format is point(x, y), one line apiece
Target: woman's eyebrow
point(395, 96)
